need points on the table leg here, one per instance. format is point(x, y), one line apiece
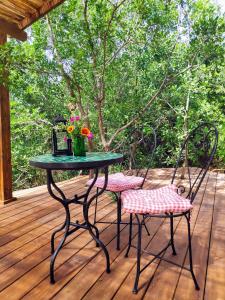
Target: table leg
point(93, 230)
point(54, 233)
point(86, 216)
point(60, 245)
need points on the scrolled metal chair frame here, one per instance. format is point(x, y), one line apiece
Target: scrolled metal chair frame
point(140, 140)
point(209, 152)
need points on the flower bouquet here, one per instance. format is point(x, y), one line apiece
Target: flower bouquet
point(78, 133)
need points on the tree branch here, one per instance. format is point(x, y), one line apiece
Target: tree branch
point(28, 66)
point(164, 100)
point(116, 7)
point(88, 31)
point(59, 61)
point(108, 62)
point(164, 83)
point(140, 113)
point(70, 81)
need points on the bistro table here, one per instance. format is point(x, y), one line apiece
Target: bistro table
point(94, 160)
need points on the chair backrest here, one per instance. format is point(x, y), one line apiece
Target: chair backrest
point(140, 151)
point(197, 151)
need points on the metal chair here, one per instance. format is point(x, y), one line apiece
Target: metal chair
point(142, 144)
point(167, 202)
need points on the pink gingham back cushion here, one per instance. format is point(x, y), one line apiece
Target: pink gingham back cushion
point(118, 182)
point(156, 201)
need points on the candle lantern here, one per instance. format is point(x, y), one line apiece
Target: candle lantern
point(61, 144)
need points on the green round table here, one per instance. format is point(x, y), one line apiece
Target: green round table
point(94, 160)
point(90, 161)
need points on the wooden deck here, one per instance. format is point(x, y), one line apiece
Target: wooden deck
point(26, 226)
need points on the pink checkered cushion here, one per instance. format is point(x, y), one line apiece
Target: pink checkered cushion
point(156, 201)
point(119, 182)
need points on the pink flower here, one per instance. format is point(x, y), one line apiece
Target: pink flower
point(72, 119)
point(75, 118)
point(65, 139)
point(90, 136)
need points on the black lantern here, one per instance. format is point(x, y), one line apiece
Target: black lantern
point(59, 133)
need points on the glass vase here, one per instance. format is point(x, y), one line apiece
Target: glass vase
point(79, 146)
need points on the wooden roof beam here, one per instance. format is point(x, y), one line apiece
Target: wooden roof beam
point(45, 8)
point(13, 30)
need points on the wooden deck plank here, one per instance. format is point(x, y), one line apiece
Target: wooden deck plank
point(30, 219)
point(38, 194)
point(168, 274)
point(121, 265)
point(40, 228)
point(200, 239)
point(92, 266)
point(92, 279)
point(72, 266)
point(36, 265)
point(31, 202)
point(152, 275)
point(76, 253)
point(158, 242)
point(215, 280)
point(38, 291)
point(120, 269)
point(13, 246)
point(28, 248)
point(28, 209)
point(35, 220)
point(19, 234)
point(125, 289)
point(80, 267)
point(30, 195)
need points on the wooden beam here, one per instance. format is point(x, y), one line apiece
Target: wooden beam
point(13, 30)
point(45, 8)
point(5, 143)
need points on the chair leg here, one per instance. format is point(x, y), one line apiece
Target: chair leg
point(96, 205)
point(172, 236)
point(118, 198)
point(146, 228)
point(190, 252)
point(130, 236)
point(138, 270)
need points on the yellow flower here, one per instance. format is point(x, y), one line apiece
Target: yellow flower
point(70, 129)
point(85, 131)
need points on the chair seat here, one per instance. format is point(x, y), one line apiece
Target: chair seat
point(155, 201)
point(119, 182)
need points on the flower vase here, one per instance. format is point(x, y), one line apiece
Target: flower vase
point(79, 146)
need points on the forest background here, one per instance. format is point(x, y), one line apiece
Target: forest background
point(119, 65)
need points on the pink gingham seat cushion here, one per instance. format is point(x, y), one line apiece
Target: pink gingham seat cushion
point(119, 182)
point(155, 201)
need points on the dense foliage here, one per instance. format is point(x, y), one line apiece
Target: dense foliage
point(118, 64)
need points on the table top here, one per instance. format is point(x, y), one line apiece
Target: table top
point(90, 161)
